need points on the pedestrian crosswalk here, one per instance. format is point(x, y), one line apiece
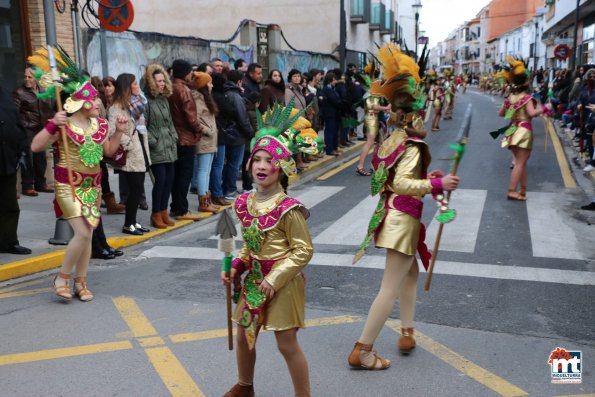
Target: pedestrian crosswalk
point(550, 234)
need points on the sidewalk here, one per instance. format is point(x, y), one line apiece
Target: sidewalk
point(37, 222)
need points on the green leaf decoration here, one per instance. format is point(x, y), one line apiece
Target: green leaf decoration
point(446, 216)
point(253, 236)
point(379, 177)
point(91, 152)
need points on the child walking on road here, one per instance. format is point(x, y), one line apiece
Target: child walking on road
point(277, 247)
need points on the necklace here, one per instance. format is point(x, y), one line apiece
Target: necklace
point(91, 127)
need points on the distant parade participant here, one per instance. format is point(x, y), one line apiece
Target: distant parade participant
point(77, 198)
point(277, 247)
point(373, 105)
point(437, 103)
point(449, 94)
point(520, 108)
point(400, 176)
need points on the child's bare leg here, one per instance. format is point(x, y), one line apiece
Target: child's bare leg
point(245, 357)
point(296, 361)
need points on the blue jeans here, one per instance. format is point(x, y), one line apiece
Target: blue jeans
point(202, 170)
point(234, 156)
point(216, 183)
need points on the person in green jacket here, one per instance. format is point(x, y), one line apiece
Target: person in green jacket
point(162, 142)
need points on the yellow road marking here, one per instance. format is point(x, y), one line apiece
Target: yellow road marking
point(51, 354)
point(578, 395)
point(24, 293)
point(134, 317)
point(317, 322)
point(562, 162)
point(474, 371)
point(21, 285)
point(172, 373)
point(196, 336)
point(151, 341)
point(168, 367)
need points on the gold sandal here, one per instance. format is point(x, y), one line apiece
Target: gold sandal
point(62, 291)
point(82, 292)
point(355, 360)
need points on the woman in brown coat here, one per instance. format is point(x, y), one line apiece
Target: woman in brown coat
point(206, 108)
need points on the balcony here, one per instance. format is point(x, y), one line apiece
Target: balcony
point(389, 26)
point(360, 11)
point(378, 16)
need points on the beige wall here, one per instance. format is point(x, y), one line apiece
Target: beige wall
point(311, 25)
point(63, 27)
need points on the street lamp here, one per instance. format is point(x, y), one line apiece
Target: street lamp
point(416, 8)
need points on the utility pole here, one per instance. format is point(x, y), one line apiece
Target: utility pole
point(74, 12)
point(574, 41)
point(535, 48)
point(49, 19)
point(342, 36)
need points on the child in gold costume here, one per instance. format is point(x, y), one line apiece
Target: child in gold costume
point(400, 176)
point(520, 108)
point(277, 247)
point(86, 137)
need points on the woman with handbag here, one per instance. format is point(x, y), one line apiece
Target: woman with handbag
point(129, 104)
point(162, 142)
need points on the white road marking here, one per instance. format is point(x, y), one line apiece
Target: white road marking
point(460, 235)
point(501, 272)
point(551, 237)
point(350, 229)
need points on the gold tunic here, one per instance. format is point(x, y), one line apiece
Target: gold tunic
point(74, 208)
point(371, 116)
point(289, 241)
point(400, 231)
point(522, 137)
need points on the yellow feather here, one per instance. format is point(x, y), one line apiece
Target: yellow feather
point(39, 62)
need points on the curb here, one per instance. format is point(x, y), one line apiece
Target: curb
point(54, 259)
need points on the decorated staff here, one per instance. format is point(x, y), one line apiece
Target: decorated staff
point(226, 231)
point(445, 215)
point(77, 175)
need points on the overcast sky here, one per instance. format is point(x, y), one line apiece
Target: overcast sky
point(440, 17)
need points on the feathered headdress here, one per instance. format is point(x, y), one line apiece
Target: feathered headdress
point(278, 134)
point(72, 80)
point(515, 72)
point(400, 75)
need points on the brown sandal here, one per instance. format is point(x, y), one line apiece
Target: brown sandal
point(82, 292)
point(512, 195)
point(62, 291)
point(240, 391)
point(354, 359)
point(406, 341)
point(523, 192)
point(362, 172)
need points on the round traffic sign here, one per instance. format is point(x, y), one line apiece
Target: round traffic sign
point(115, 15)
point(561, 52)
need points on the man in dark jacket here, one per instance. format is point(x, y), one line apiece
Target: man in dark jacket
point(34, 112)
point(237, 114)
point(252, 79)
point(13, 145)
point(189, 130)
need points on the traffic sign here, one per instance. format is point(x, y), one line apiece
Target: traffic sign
point(115, 15)
point(561, 52)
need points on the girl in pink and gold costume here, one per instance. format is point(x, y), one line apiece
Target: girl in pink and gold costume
point(77, 200)
point(401, 178)
point(277, 247)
